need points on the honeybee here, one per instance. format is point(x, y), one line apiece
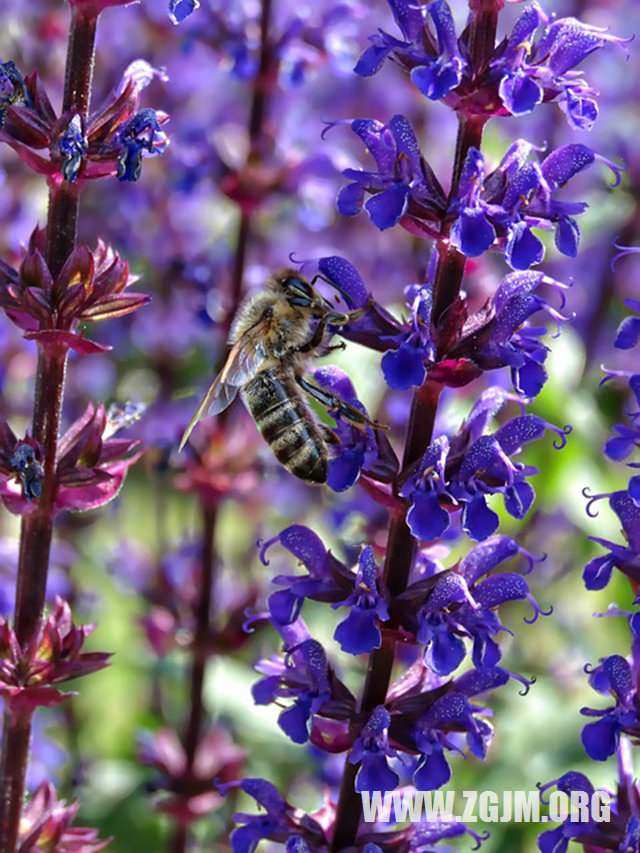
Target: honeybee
point(274, 337)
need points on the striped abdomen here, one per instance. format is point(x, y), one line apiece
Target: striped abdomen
point(275, 400)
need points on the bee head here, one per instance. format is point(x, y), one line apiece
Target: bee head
point(299, 293)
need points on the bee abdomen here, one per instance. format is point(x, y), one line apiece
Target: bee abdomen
point(283, 417)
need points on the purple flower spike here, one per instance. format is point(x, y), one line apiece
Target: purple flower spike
point(372, 751)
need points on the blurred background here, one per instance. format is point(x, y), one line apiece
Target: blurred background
point(222, 207)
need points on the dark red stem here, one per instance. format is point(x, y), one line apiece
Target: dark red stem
point(401, 545)
point(37, 526)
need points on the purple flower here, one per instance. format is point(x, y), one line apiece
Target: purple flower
point(26, 463)
point(304, 675)
point(142, 133)
point(354, 449)
point(501, 335)
point(557, 840)
point(460, 472)
point(279, 821)
point(378, 327)
point(522, 72)
point(111, 142)
point(433, 58)
point(359, 633)
point(330, 580)
point(626, 558)
point(517, 197)
point(449, 606)
point(424, 719)
point(372, 751)
point(402, 183)
point(613, 677)
point(13, 89)
point(73, 147)
point(405, 366)
point(533, 70)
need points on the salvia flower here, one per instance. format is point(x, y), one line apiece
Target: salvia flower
point(612, 677)
point(459, 473)
point(433, 57)
point(403, 182)
point(278, 822)
point(372, 751)
point(428, 718)
point(90, 287)
point(557, 840)
point(330, 580)
point(46, 826)
point(377, 328)
point(516, 197)
point(28, 469)
point(55, 656)
point(460, 603)
point(626, 558)
point(535, 69)
point(73, 147)
point(535, 63)
point(140, 134)
point(496, 209)
point(13, 89)
point(354, 449)
point(305, 676)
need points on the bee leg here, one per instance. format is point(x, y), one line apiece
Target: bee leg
point(330, 435)
point(316, 339)
point(334, 348)
point(359, 312)
point(333, 404)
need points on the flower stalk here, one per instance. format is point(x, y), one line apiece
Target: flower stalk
point(401, 544)
point(37, 526)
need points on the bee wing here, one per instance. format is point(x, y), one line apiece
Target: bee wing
point(241, 365)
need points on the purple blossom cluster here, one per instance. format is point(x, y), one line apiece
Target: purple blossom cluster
point(444, 617)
